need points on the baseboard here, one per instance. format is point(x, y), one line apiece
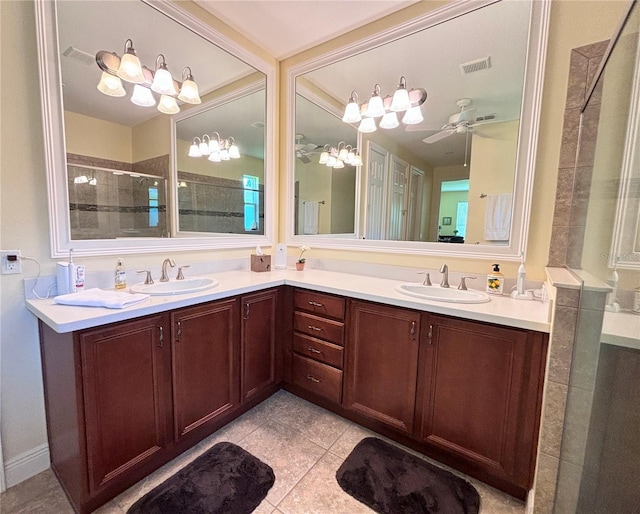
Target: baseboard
point(27, 465)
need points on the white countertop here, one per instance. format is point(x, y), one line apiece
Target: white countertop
point(501, 310)
point(621, 329)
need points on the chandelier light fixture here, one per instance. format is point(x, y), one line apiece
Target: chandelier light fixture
point(115, 69)
point(337, 157)
point(386, 108)
point(214, 148)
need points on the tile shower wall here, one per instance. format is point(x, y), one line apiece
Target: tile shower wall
point(119, 205)
point(577, 320)
point(213, 204)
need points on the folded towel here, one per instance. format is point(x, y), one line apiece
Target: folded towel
point(310, 217)
point(497, 221)
point(96, 297)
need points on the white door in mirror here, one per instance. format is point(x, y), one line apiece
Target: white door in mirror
point(441, 294)
point(188, 285)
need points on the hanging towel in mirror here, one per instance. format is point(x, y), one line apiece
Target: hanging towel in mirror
point(311, 212)
point(497, 221)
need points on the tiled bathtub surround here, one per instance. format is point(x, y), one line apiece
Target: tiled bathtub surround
point(303, 443)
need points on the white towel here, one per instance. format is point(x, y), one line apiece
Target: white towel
point(310, 215)
point(96, 297)
point(497, 221)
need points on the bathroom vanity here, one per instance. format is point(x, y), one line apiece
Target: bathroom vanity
point(128, 390)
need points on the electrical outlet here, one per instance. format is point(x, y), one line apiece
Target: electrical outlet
point(11, 262)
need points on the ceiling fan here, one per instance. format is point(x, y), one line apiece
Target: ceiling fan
point(304, 150)
point(462, 122)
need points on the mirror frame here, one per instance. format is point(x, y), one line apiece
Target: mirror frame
point(55, 146)
point(527, 137)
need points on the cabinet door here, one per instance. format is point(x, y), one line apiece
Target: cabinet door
point(382, 363)
point(127, 395)
point(479, 392)
point(205, 346)
point(258, 340)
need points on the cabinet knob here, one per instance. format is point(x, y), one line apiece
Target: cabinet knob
point(313, 379)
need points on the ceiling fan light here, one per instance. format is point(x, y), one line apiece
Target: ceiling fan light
point(389, 121)
point(168, 105)
point(142, 96)
point(367, 125)
point(413, 116)
point(130, 68)
point(111, 85)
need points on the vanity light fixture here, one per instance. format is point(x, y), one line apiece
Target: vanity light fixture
point(194, 149)
point(215, 148)
point(402, 100)
point(161, 81)
point(204, 145)
point(337, 157)
point(324, 155)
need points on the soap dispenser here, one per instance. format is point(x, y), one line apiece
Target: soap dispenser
point(495, 280)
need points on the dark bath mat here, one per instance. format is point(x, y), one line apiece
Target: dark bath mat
point(392, 481)
point(225, 479)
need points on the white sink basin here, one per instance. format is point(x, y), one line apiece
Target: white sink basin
point(187, 285)
point(443, 294)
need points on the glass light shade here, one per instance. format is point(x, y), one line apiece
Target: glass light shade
point(331, 161)
point(214, 146)
point(376, 107)
point(234, 152)
point(413, 116)
point(182, 183)
point(352, 113)
point(111, 85)
point(357, 161)
point(93, 181)
point(214, 157)
point(142, 96)
point(400, 100)
point(338, 164)
point(82, 179)
point(163, 82)
point(224, 154)
point(342, 154)
point(189, 92)
point(367, 125)
point(204, 148)
point(389, 121)
point(324, 157)
point(194, 151)
point(168, 105)
point(351, 156)
point(130, 68)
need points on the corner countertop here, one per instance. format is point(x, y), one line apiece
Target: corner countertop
point(501, 310)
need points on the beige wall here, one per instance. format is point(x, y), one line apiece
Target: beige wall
point(87, 136)
point(23, 193)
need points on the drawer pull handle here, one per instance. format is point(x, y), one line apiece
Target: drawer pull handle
point(313, 379)
point(315, 304)
point(317, 329)
point(313, 350)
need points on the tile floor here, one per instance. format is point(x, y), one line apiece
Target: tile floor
point(303, 443)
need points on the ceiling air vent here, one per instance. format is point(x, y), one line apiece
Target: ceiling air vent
point(477, 65)
point(486, 117)
point(79, 55)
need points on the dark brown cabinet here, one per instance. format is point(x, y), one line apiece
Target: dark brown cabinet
point(258, 343)
point(206, 358)
point(479, 388)
point(127, 401)
point(381, 368)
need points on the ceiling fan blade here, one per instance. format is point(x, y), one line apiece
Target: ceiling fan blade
point(304, 158)
point(437, 137)
point(462, 116)
point(308, 147)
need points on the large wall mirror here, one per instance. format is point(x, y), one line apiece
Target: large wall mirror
point(455, 180)
point(119, 173)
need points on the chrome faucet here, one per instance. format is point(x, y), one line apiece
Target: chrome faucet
point(444, 269)
point(164, 277)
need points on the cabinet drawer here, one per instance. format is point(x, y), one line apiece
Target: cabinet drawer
point(319, 350)
point(316, 326)
point(318, 303)
point(317, 377)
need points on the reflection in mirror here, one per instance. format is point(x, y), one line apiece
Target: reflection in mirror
point(324, 195)
point(109, 130)
point(221, 190)
point(479, 124)
point(131, 204)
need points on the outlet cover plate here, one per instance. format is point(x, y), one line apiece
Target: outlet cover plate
point(10, 267)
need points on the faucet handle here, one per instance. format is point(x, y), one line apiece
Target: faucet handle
point(148, 280)
point(180, 275)
point(427, 278)
point(463, 283)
